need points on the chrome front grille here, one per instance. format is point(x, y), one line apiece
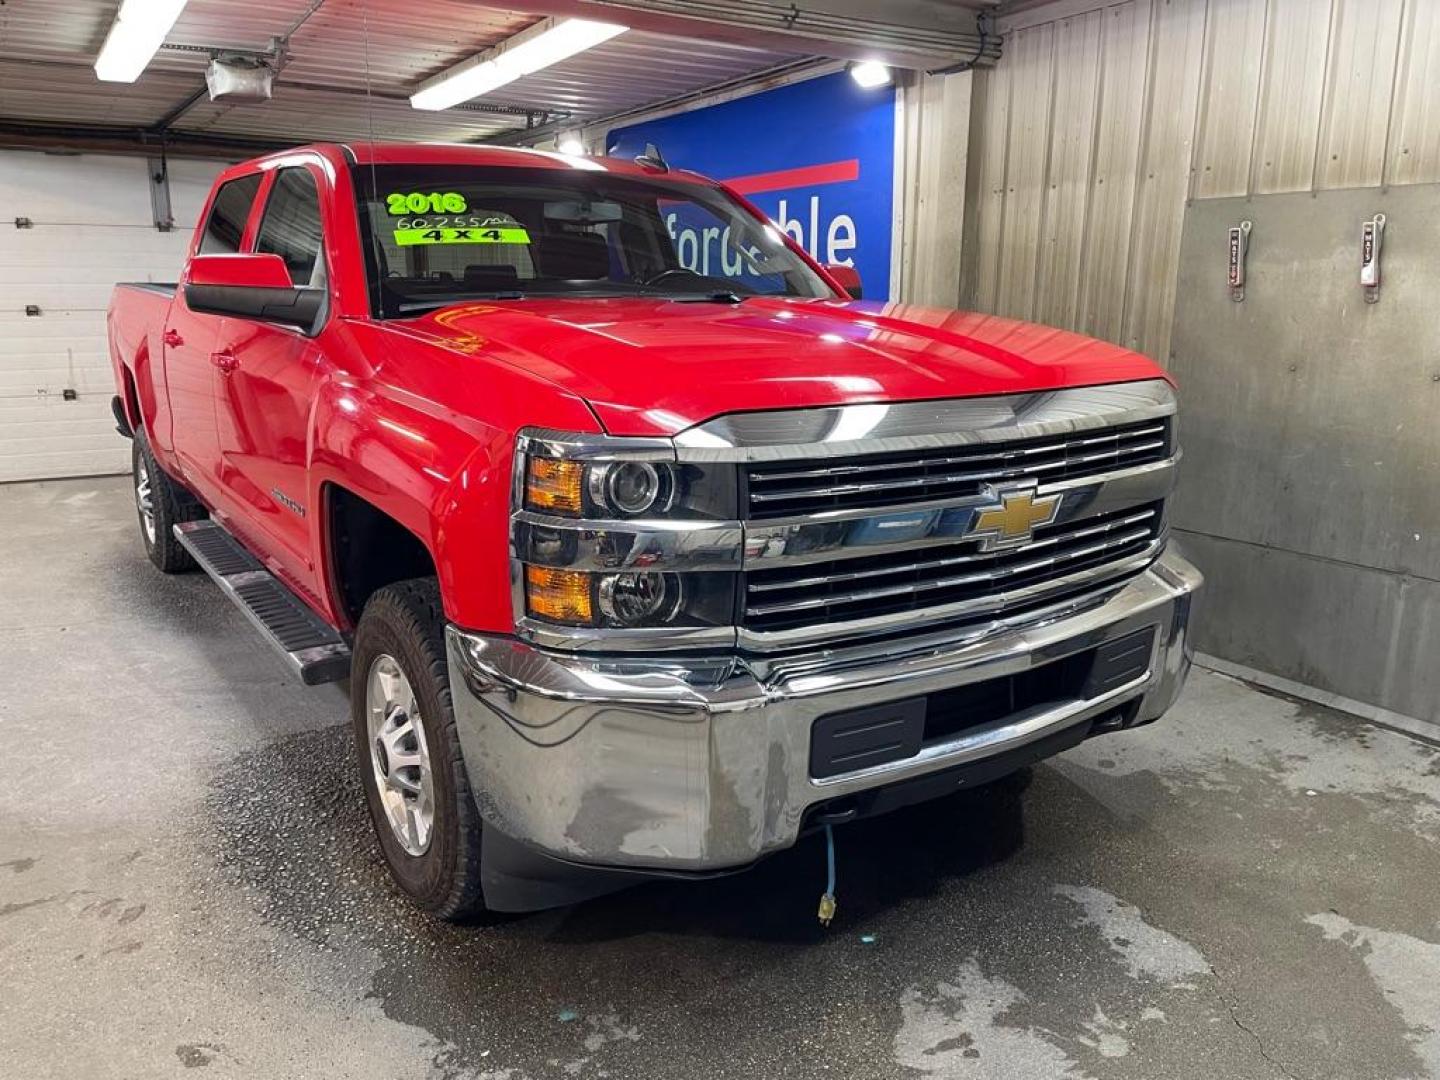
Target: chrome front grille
point(1075, 556)
point(832, 526)
point(789, 488)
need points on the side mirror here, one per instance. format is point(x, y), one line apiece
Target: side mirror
point(847, 277)
point(252, 286)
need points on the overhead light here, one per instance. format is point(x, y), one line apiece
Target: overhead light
point(870, 73)
point(135, 35)
point(527, 52)
point(570, 144)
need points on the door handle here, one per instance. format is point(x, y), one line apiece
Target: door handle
point(225, 360)
point(172, 338)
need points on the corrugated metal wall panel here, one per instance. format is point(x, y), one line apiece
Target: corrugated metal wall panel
point(1415, 120)
point(1031, 95)
point(1167, 137)
point(1291, 89)
point(989, 146)
point(1234, 57)
point(1196, 98)
point(1354, 121)
point(932, 176)
point(1124, 46)
point(1072, 156)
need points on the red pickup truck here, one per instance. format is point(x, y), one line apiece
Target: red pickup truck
point(638, 567)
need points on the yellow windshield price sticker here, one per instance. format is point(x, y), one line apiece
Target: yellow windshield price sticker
point(425, 202)
point(412, 237)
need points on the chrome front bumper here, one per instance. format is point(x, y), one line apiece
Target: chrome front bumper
point(672, 764)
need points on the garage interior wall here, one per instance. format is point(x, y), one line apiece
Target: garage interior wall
point(1101, 120)
point(1099, 126)
point(90, 225)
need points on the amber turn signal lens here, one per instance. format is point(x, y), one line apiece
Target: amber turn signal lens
point(561, 596)
point(552, 484)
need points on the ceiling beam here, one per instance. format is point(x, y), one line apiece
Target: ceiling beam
point(114, 139)
point(179, 109)
point(914, 34)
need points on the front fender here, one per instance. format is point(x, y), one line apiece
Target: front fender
point(442, 474)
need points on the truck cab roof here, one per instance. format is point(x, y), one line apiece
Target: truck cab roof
point(396, 153)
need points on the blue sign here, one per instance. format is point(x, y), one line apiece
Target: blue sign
point(817, 156)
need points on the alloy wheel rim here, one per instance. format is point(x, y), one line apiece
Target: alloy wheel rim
point(399, 757)
point(145, 500)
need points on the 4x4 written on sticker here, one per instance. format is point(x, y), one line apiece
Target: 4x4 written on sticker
point(459, 230)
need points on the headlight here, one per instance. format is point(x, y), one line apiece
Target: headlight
point(632, 488)
point(630, 599)
point(626, 600)
point(611, 490)
point(615, 534)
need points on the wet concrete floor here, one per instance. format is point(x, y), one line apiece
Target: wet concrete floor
point(1250, 888)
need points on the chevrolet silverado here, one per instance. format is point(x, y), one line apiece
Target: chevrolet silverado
point(634, 568)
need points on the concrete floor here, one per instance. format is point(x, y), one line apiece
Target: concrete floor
point(187, 880)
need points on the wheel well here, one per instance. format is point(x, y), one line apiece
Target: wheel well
point(368, 550)
point(131, 398)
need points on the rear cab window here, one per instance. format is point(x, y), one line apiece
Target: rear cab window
point(231, 209)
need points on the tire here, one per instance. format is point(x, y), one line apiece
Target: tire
point(168, 505)
point(403, 629)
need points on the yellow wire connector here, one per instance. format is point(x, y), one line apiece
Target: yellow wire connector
point(553, 484)
point(561, 596)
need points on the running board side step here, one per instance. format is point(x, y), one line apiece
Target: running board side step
point(314, 649)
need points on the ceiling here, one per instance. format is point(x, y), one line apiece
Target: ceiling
point(347, 70)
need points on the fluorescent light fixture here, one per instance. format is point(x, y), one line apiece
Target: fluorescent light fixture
point(527, 52)
point(135, 35)
point(870, 73)
point(570, 144)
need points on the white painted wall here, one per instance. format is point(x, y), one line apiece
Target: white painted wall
point(92, 226)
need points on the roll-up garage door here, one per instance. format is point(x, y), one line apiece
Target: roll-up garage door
point(87, 223)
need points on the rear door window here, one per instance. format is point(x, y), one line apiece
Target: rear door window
point(291, 226)
point(228, 215)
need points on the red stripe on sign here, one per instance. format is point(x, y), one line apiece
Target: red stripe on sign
point(834, 172)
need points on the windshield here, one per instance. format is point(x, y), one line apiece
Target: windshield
point(441, 234)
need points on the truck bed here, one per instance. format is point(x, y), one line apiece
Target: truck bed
point(138, 311)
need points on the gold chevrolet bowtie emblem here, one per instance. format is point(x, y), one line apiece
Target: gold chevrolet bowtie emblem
point(1014, 521)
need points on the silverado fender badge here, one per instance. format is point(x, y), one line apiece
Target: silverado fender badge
point(287, 502)
point(1012, 521)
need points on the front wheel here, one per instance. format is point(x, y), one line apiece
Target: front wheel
point(414, 776)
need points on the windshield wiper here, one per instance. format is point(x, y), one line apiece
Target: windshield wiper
point(431, 305)
point(722, 297)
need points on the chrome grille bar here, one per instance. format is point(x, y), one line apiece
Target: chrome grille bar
point(1119, 458)
point(1002, 455)
point(820, 581)
point(1081, 587)
point(783, 490)
point(1098, 544)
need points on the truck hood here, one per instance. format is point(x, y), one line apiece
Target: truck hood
point(656, 367)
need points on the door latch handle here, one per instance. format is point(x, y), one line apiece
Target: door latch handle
point(1239, 248)
point(1372, 237)
point(172, 338)
point(225, 360)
